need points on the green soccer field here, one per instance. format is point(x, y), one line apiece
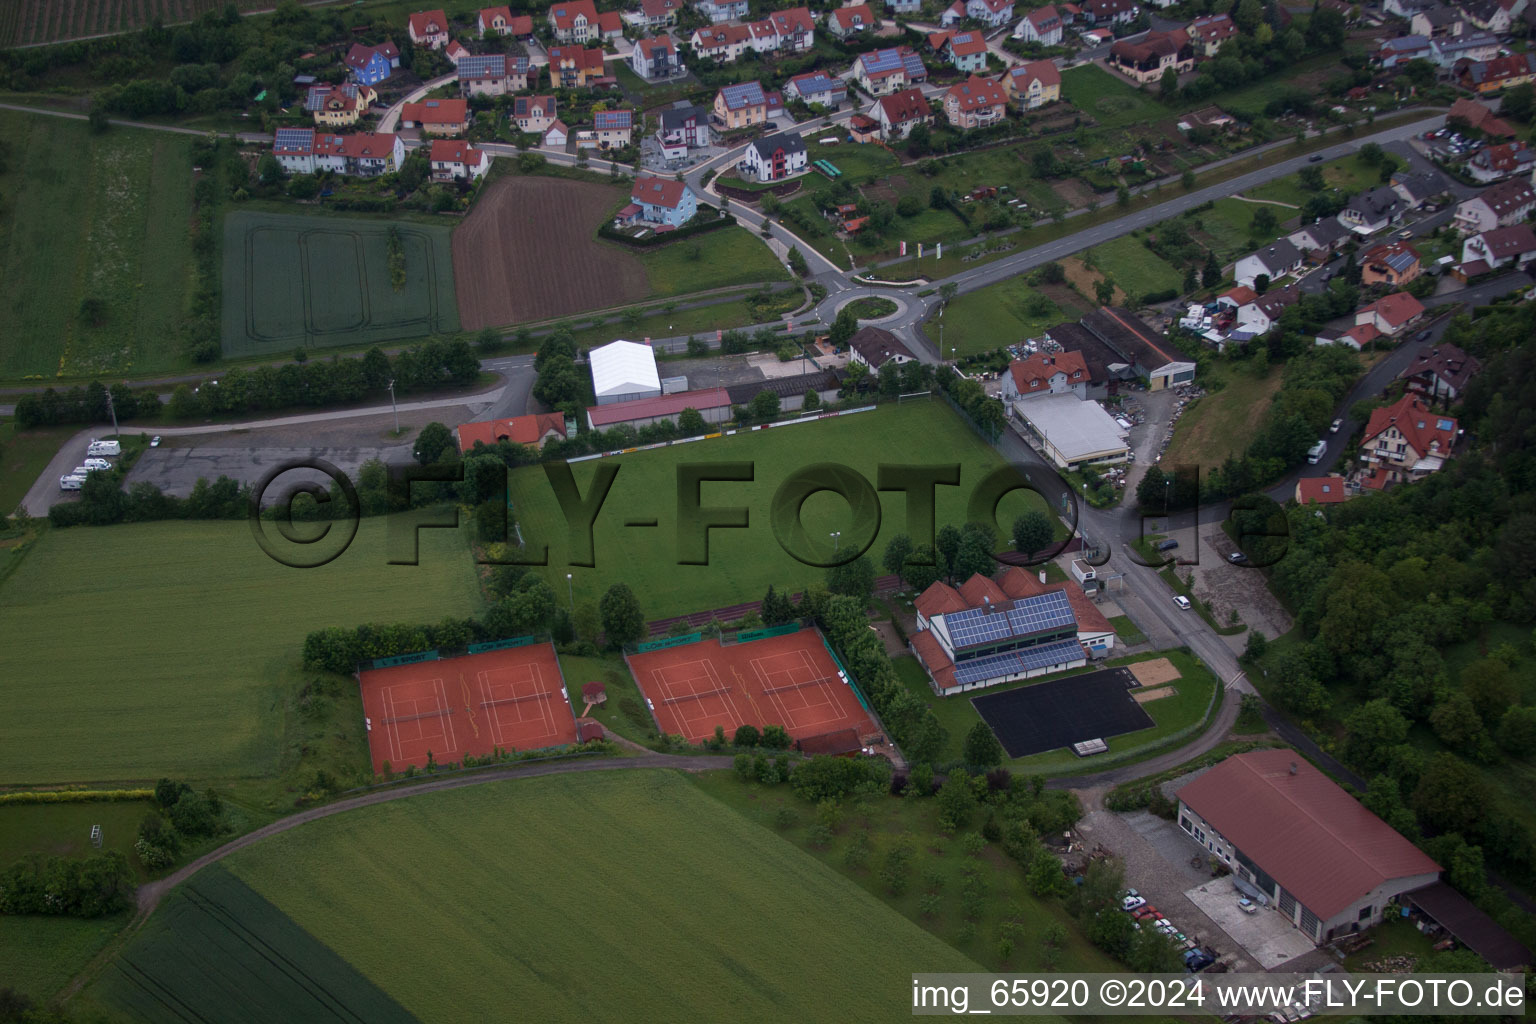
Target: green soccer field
point(743, 562)
point(600, 896)
point(98, 217)
point(316, 282)
point(173, 648)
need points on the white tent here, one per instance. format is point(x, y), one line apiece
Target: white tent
point(624, 372)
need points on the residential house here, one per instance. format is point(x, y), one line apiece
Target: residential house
point(793, 30)
point(773, 157)
point(1391, 314)
point(847, 21)
point(1498, 206)
point(338, 106)
point(1475, 114)
point(1157, 52)
point(723, 43)
point(364, 154)
point(429, 29)
point(883, 72)
point(874, 347)
point(1273, 261)
point(1447, 50)
point(532, 431)
point(1235, 298)
point(660, 13)
point(953, 14)
point(661, 201)
point(436, 117)
point(1406, 9)
point(900, 112)
point(1485, 76)
point(967, 51)
point(1495, 163)
point(1033, 84)
point(739, 106)
point(655, 58)
point(455, 51)
point(991, 13)
point(817, 87)
point(574, 22)
point(455, 160)
point(493, 74)
point(1417, 189)
point(1406, 441)
point(1042, 25)
point(1373, 210)
point(613, 129)
point(1108, 13)
point(572, 67)
point(533, 114)
point(1356, 338)
point(1208, 33)
point(1440, 373)
point(1401, 50)
point(1320, 239)
point(1320, 490)
point(370, 65)
point(1437, 22)
point(610, 26)
point(555, 136)
point(1150, 356)
point(1497, 16)
point(1497, 248)
point(904, 6)
point(975, 103)
point(1259, 315)
point(1323, 862)
point(684, 125)
point(502, 22)
point(722, 10)
point(1042, 374)
point(1392, 263)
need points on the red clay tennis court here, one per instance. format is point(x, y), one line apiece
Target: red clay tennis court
point(786, 680)
point(513, 699)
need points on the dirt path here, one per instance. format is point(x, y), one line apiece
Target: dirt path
point(1267, 202)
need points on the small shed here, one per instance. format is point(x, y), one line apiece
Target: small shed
point(842, 743)
point(594, 693)
point(588, 729)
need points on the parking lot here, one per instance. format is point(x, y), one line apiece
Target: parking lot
point(176, 470)
point(1224, 586)
point(1266, 936)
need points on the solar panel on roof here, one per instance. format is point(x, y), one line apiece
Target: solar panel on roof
point(1041, 613)
point(1032, 659)
point(977, 626)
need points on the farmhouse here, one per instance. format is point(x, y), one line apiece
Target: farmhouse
point(714, 405)
point(740, 105)
point(1135, 343)
point(1042, 25)
point(1208, 33)
point(338, 106)
point(492, 74)
point(1274, 262)
point(533, 114)
point(623, 371)
point(429, 29)
point(1033, 84)
point(1329, 865)
point(660, 13)
point(966, 51)
point(874, 347)
point(722, 10)
point(1498, 247)
point(899, 113)
point(503, 22)
point(1145, 61)
point(975, 103)
point(1393, 263)
point(887, 71)
point(1320, 490)
point(572, 67)
point(1072, 432)
point(436, 117)
point(847, 21)
point(1042, 374)
point(723, 43)
point(1371, 211)
point(455, 160)
point(574, 22)
point(1405, 441)
point(529, 431)
point(1390, 313)
point(365, 154)
point(773, 157)
point(1495, 163)
point(655, 58)
point(979, 636)
point(660, 201)
point(1475, 114)
point(1440, 373)
point(370, 65)
point(817, 87)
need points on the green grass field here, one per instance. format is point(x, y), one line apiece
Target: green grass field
point(1222, 423)
point(295, 281)
point(64, 830)
point(728, 256)
point(173, 648)
point(599, 896)
point(23, 457)
point(42, 954)
point(1106, 98)
point(1134, 267)
point(101, 217)
point(742, 563)
point(999, 314)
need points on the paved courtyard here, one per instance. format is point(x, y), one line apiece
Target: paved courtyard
point(1266, 936)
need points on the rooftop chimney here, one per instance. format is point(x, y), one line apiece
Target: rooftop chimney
point(1293, 767)
point(986, 603)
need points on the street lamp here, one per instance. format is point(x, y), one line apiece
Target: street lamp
point(395, 407)
point(570, 591)
point(836, 534)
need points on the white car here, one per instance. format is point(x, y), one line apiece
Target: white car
point(1333, 428)
point(1182, 602)
point(1247, 906)
point(154, 442)
point(1132, 902)
point(96, 464)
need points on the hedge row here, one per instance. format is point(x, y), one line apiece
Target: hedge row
point(75, 796)
point(697, 227)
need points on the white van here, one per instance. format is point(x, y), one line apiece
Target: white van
point(1316, 452)
point(96, 464)
point(71, 482)
point(81, 471)
point(104, 448)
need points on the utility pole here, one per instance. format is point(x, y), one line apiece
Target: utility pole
point(113, 410)
point(393, 406)
point(570, 592)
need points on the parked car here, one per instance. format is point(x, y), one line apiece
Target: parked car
point(96, 464)
point(1237, 558)
point(1333, 428)
point(154, 442)
point(1247, 905)
point(1167, 545)
point(1315, 158)
point(1132, 902)
point(1182, 602)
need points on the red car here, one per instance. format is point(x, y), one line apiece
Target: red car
point(1144, 912)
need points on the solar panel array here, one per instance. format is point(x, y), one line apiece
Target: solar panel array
point(743, 94)
point(977, 626)
point(1041, 613)
point(1028, 660)
point(1038, 614)
point(483, 65)
point(913, 65)
point(291, 140)
point(881, 61)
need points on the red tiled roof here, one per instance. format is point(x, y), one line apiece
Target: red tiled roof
point(1035, 373)
point(1044, 70)
point(588, 729)
point(964, 44)
point(1240, 296)
point(609, 21)
point(564, 14)
point(659, 8)
point(658, 192)
point(1043, 16)
point(454, 151)
point(1020, 583)
point(664, 405)
point(1515, 240)
point(1304, 831)
point(977, 93)
point(939, 599)
point(1396, 309)
point(425, 23)
point(436, 111)
point(1325, 490)
point(932, 655)
point(456, 49)
point(527, 430)
point(1479, 117)
point(593, 692)
point(1420, 428)
point(906, 105)
point(844, 16)
point(1446, 362)
point(1362, 334)
point(978, 587)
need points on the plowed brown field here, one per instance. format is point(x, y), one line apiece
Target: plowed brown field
point(529, 251)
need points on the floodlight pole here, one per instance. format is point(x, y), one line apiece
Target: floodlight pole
point(395, 407)
point(570, 592)
point(113, 410)
point(836, 535)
